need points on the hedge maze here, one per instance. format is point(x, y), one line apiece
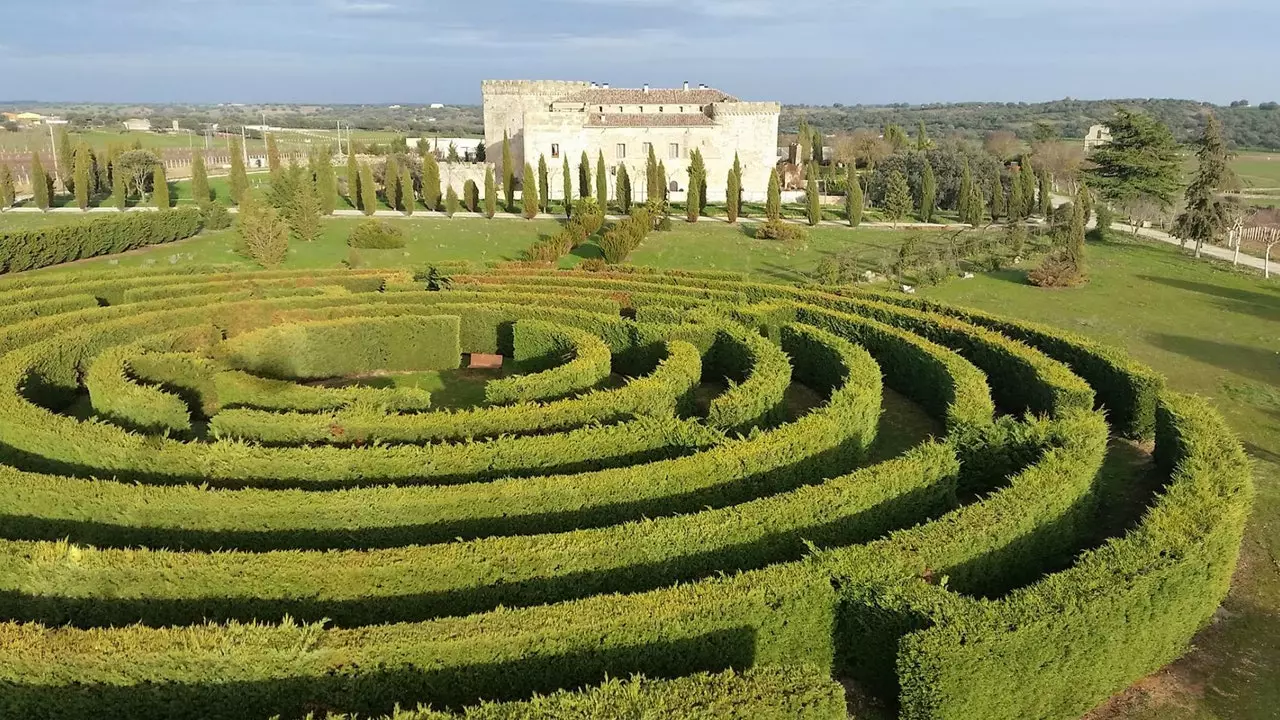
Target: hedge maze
point(191, 528)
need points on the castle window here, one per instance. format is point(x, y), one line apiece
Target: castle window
point(621, 151)
point(555, 150)
point(660, 108)
point(619, 108)
point(673, 151)
point(646, 148)
point(601, 108)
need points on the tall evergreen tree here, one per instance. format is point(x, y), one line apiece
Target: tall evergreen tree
point(737, 173)
point(853, 201)
point(239, 178)
point(199, 180)
point(697, 173)
point(731, 196)
point(273, 153)
point(624, 189)
point(977, 204)
point(160, 187)
point(529, 194)
point(66, 158)
point(805, 138)
point(584, 176)
point(1073, 248)
point(773, 200)
point(653, 186)
point(39, 183)
point(965, 197)
point(471, 196)
point(999, 206)
point(7, 191)
point(566, 186)
point(897, 201)
point(326, 181)
point(368, 191)
point(1027, 176)
point(544, 184)
point(818, 143)
point(922, 138)
point(812, 200)
point(451, 202)
point(928, 190)
point(391, 183)
point(663, 187)
point(353, 181)
point(407, 200)
point(508, 173)
point(82, 178)
point(1017, 201)
point(120, 188)
point(1045, 196)
point(1208, 215)
point(303, 214)
point(490, 193)
point(1141, 164)
point(602, 184)
point(431, 181)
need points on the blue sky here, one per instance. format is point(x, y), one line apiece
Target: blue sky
point(795, 51)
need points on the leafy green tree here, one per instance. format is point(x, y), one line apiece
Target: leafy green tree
point(66, 161)
point(1208, 215)
point(999, 206)
point(566, 181)
point(326, 181)
point(584, 176)
point(813, 201)
point(431, 182)
point(1141, 164)
point(138, 167)
point(508, 173)
point(922, 138)
point(452, 155)
point(199, 180)
point(83, 183)
point(120, 187)
point(239, 178)
point(407, 199)
point(773, 200)
point(39, 182)
point(391, 183)
point(529, 195)
point(897, 202)
point(602, 184)
point(7, 191)
point(490, 193)
point(544, 184)
point(928, 189)
point(896, 137)
point(264, 235)
point(368, 191)
point(732, 196)
point(624, 189)
point(273, 154)
point(353, 181)
point(853, 200)
point(160, 187)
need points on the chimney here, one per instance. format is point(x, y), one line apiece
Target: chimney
point(605, 86)
point(646, 88)
point(686, 85)
point(702, 86)
point(593, 83)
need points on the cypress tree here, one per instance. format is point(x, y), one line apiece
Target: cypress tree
point(928, 191)
point(66, 160)
point(304, 215)
point(773, 202)
point(1085, 198)
point(431, 181)
point(965, 195)
point(662, 180)
point(584, 176)
point(7, 190)
point(326, 181)
point(602, 185)
point(897, 201)
point(529, 195)
point(353, 182)
point(731, 196)
point(39, 183)
point(566, 181)
point(853, 201)
point(119, 189)
point(544, 184)
point(368, 191)
point(1046, 193)
point(737, 173)
point(804, 139)
point(818, 143)
point(999, 206)
point(1073, 250)
point(653, 184)
point(239, 178)
point(1027, 176)
point(922, 138)
point(160, 187)
point(471, 196)
point(101, 173)
point(811, 197)
point(508, 173)
point(407, 200)
point(977, 204)
point(273, 153)
point(451, 202)
point(391, 183)
point(83, 183)
point(624, 189)
point(694, 198)
point(199, 180)
point(1017, 202)
point(490, 193)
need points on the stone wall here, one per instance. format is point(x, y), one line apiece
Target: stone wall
point(505, 105)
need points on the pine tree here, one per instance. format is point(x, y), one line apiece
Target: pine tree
point(544, 184)
point(160, 187)
point(1207, 214)
point(584, 176)
point(1027, 176)
point(264, 235)
point(39, 183)
point(303, 216)
point(239, 178)
point(391, 183)
point(120, 189)
point(529, 195)
point(811, 196)
point(965, 197)
point(1140, 166)
point(490, 193)
point(922, 138)
point(326, 181)
point(566, 181)
point(1046, 193)
point(624, 189)
point(508, 173)
point(731, 196)
point(368, 191)
point(7, 190)
point(897, 201)
point(853, 200)
point(737, 173)
point(773, 201)
point(199, 180)
point(653, 186)
point(431, 181)
point(999, 207)
point(273, 153)
point(928, 190)
point(407, 199)
point(83, 183)
point(353, 181)
point(602, 185)
point(66, 159)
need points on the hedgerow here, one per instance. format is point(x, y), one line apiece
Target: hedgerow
point(562, 360)
point(40, 247)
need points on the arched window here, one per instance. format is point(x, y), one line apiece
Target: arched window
point(675, 186)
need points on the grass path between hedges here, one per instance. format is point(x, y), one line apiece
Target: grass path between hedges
point(1211, 330)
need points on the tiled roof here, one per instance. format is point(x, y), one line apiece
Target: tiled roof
point(606, 120)
point(637, 96)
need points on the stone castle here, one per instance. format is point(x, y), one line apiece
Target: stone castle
point(558, 120)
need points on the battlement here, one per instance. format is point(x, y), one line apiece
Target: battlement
point(532, 87)
point(744, 108)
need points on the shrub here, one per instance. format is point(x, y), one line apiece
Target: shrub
point(215, 217)
point(376, 234)
point(40, 247)
point(1056, 271)
point(780, 230)
point(264, 234)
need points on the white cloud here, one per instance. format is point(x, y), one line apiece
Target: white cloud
point(360, 7)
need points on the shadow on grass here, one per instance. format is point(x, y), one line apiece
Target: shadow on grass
point(1251, 362)
point(1260, 304)
point(588, 251)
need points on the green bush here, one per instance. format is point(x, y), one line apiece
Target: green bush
point(40, 247)
point(215, 217)
point(565, 361)
point(758, 374)
point(376, 235)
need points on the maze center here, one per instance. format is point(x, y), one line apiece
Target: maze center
point(204, 514)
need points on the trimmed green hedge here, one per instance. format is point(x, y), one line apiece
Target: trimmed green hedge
point(121, 399)
point(544, 348)
point(758, 374)
point(40, 247)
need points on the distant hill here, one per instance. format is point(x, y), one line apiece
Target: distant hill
point(1245, 127)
